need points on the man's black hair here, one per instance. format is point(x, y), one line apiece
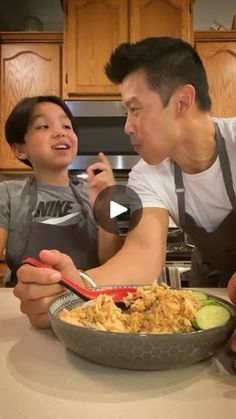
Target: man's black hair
point(168, 63)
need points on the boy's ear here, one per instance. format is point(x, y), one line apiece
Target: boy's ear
point(19, 151)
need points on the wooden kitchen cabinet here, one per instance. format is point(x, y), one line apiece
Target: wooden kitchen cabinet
point(94, 28)
point(3, 270)
point(30, 65)
point(161, 18)
point(218, 53)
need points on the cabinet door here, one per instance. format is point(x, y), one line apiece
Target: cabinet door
point(92, 30)
point(26, 70)
point(219, 59)
point(161, 18)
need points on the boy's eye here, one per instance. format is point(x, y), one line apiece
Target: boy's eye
point(41, 126)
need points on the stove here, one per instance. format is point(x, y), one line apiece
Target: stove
point(179, 247)
point(178, 256)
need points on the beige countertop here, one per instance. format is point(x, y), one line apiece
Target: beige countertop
point(40, 379)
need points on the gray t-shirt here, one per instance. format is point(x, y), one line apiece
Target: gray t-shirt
point(53, 205)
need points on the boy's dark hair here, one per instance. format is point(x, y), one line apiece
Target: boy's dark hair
point(19, 120)
point(167, 64)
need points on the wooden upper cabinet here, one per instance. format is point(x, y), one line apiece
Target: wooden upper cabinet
point(218, 53)
point(30, 65)
point(161, 18)
point(93, 28)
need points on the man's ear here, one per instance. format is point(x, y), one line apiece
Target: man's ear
point(185, 97)
point(19, 151)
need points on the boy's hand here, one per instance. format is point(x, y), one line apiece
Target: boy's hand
point(97, 181)
point(37, 287)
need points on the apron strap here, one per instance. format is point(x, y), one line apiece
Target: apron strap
point(72, 182)
point(32, 193)
point(225, 167)
point(226, 172)
point(179, 189)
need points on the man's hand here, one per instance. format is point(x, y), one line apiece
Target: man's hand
point(103, 179)
point(37, 287)
point(231, 288)
point(233, 348)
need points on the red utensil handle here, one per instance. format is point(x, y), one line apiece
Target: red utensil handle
point(87, 294)
point(67, 282)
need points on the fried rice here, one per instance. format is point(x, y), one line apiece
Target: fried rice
point(151, 309)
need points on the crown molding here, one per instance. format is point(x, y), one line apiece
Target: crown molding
point(211, 36)
point(31, 37)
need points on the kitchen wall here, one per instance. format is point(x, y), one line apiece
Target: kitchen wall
point(206, 11)
point(13, 13)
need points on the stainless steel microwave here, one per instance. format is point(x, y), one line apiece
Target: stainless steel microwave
point(100, 127)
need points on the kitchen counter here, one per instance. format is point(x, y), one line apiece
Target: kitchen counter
point(40, 379)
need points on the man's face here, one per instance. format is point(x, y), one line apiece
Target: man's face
point(149, 124)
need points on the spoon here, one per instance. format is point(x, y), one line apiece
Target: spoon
point(86, 294)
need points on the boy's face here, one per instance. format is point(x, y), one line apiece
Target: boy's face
point(149, 125)
point(50, 142)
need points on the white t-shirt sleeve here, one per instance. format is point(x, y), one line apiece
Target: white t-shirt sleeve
point(141, 180)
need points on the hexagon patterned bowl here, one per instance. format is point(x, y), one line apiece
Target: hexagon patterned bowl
point(138, 350)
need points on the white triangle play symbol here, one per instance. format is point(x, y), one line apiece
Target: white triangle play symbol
point(116, 209)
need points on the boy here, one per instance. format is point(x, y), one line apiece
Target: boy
point(51, 209)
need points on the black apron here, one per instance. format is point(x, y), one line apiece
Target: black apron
point(214, 255)
point(78, 240)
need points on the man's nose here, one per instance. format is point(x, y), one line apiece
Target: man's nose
point(129, 129)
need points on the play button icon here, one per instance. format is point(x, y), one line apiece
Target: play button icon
point(115, 206)
point(116, 209)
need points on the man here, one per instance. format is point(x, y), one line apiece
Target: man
point(186, 171)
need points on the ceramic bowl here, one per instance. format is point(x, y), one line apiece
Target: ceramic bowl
point(134, 350)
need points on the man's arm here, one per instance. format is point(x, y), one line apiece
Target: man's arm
point(108, 245)
point(142, 257)
point(140, 260)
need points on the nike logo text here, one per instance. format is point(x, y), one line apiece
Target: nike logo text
point(53, 208)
